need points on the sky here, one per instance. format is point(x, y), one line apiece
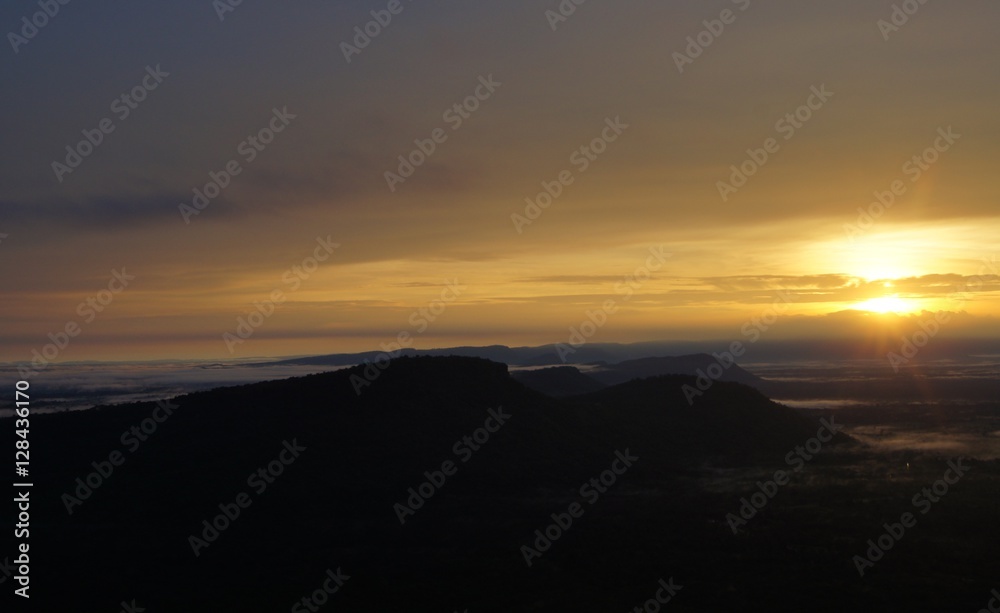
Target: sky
point(600, 166)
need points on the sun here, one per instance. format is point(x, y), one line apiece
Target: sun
point(886, 304)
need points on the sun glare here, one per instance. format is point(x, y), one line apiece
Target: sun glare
point(886, 304)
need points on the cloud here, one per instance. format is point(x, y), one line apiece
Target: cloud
point(109, 214)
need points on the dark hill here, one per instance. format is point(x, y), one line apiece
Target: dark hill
point(334, 506)
point(563, 381)
point(674, 365)
point(729, 423)
point(558, 381)
point(545, 355)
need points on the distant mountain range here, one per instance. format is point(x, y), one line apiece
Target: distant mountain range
point(607, 364)
point(765, 350)
point(545, 355)
point(599, 365)
point(562, 381)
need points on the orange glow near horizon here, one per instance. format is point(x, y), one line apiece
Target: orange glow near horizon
point(887, 304)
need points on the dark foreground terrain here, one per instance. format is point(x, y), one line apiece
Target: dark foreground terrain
point(338, 498)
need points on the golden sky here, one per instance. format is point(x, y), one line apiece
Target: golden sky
point(915, 113)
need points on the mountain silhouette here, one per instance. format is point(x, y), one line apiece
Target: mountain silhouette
point(545, 355)
point(362, 456)
point(558, 381)
point(562, 381)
